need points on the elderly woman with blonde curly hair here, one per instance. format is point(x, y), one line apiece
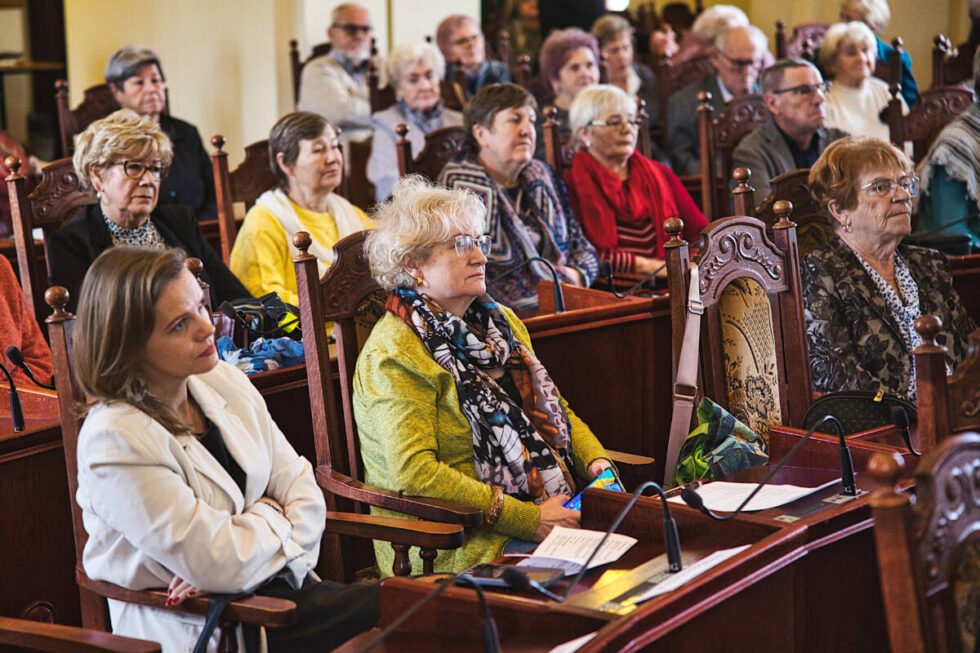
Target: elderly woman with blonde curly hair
point(124, 158)
point(414, 71)
point(449, 398)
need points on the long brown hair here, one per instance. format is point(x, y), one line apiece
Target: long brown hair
point(116, 314)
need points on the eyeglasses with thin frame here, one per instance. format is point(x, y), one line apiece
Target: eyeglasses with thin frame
point(741, 63)
point(804, 90)
point(616, 122)
point(351, 29)
point(885, 187)
point(464, 244)
point(136, 169)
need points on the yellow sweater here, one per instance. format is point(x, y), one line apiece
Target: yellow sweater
point(260, 257)
point(415, 438)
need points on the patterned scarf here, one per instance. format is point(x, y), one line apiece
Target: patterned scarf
point(146, 235)
point(425, 121)
point(958, 150)
point(524, 449)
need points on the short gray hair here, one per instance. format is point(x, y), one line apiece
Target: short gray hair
point(596, 100)
point(715, 21)
point(873, 12)
point(772, 76)
point(341, 8)
point(840, 34)
point(418, 216)
point(128, 61)
point(123, 134)
point(408, 55)
point(757, 36)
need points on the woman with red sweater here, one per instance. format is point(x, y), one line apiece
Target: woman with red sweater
point(622, 198)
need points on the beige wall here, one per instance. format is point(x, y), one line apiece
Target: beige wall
point(17, 88)
point(226, 60)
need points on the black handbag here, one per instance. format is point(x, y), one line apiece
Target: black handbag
point(857, 410)
point(267, 317)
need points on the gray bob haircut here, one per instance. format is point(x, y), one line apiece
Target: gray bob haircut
point(128, 61)
point(597, 100)
point(418, 216)
point(408, 55)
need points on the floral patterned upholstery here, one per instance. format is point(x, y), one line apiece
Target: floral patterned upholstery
point(749, 356)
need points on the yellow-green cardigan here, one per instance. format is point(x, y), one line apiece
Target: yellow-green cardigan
point(415, 438)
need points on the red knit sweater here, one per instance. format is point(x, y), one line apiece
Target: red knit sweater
point(19, 328)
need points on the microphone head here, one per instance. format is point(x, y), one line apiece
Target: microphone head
point(900, 418)
point(515, 578)
point(692, 498)
point(15, 356)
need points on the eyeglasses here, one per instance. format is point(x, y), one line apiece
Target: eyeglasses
point(136, 170)
point(464, 244)
point(352, 29)
point(741, 63)
point(885, 187)
point(804, 90)
point(466, 40)
point(616, 122)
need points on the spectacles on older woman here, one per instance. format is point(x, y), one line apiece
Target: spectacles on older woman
point(885, 187)
point(136, 169)
point(616, 122)
point(464, 244)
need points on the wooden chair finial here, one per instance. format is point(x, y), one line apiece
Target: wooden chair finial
point(549, 112)
point(741, 176)
point(928, 327)
point(674, 227)
point(13, 164)
point(302, 241)
point(704, 100)
point(194, 265)
point(886, 468)
point(897, 43)
point(218, 141)
point(402, 130)
point(57, 298)
point(782, 209)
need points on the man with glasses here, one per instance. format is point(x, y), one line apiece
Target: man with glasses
point(737, 59)
point(794, 136)
point(461, 42)
point(336, 84)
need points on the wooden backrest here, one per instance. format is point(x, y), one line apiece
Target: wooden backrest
point(923, 544)
point(750, 289)
point(806, 38)
point(951, 67)
point(936, 108)
point(45, 208)
point(946, 404)
point(521, 73)
point(441, 146)
point(245, 183)
point(296, 64)
point(719, 137)
point(340, 297)
point(380, 97)
point(675, 76)
point(358, 189)
point(643, 129)
point(813, 226)
point(559, 149)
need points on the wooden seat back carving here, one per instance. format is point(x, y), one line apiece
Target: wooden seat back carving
point(344, 296)
point(559, 148)
point(643, 128)
point(804, 43)
point(737, 250)
point(951, 67)
point(44, 208)
point(927, 547)
point(381, 97)
point(813, 226)
point(675, 76)
point(521, 73)
point(441, 146)
point(946, 404)
point(296, 64)
point(719, 137)
point(245, 183)
point(936, 108)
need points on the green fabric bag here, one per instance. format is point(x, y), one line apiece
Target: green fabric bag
point(720, 445)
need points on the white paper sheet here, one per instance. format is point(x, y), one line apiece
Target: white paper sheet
point(574, 645)
point(569, 548)
point(723, 496)
point(689, 573)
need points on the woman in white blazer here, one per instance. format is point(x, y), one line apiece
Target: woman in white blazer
point(184, 480)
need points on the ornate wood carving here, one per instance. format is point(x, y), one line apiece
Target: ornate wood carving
point(681, 74)
point(253, 176)
point(441, 146)
point(348, 280)
point(742, 115)
point(806, 38)
point(58, 193)
point(935, 108)
point(42, 611)
point(742, 240)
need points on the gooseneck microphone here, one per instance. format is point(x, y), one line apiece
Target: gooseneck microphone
point(694, 500)
point(490, 639)
point(559, 296)
point(16, 413)
point(17, 358)
point(900, 419)
point(517, 579)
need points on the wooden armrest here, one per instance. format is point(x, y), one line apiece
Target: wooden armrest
point(412, 532)
point(439, 510)
point(259, 610)
point(36, 635)
point(633, 469)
